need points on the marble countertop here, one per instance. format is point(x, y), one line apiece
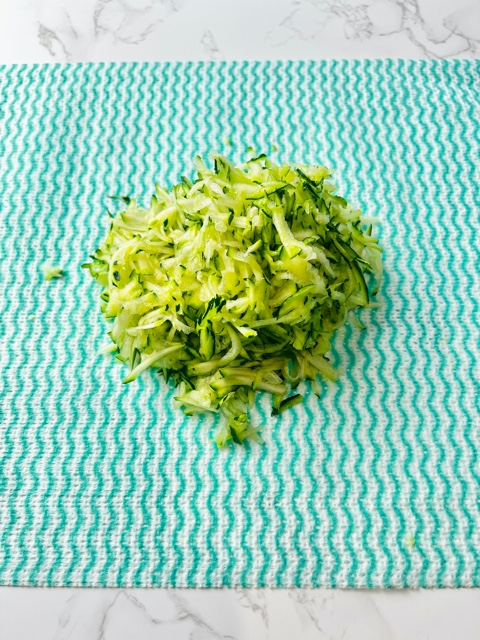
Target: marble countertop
point(147, 30)
point(259, 614)
point(122, 30)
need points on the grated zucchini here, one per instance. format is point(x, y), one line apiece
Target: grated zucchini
point(234, 283)
point(50, 272)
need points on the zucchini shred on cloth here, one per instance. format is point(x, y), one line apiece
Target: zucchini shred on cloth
point(236, 283)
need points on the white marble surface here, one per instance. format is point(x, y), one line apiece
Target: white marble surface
point(94, 30)
point(109, 614)
point(86, 30)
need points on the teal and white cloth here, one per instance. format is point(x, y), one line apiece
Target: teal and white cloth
point(374, 485)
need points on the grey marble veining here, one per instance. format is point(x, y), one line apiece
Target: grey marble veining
point(144, 30)
point(118, 614)
point(70, 30)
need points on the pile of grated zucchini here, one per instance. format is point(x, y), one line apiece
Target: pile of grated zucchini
point(234, 283)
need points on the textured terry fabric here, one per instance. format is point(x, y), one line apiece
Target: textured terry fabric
point(374, 485)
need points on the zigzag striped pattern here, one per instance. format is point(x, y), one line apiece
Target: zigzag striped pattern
point(374, 485)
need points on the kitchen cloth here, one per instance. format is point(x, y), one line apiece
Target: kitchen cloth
point(375, 484)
